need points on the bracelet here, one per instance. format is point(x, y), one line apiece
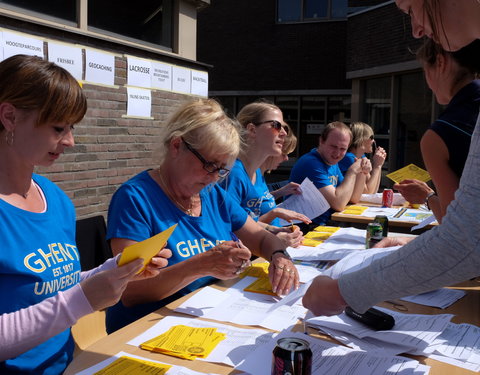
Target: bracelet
point(431, 194)
point(285, 254)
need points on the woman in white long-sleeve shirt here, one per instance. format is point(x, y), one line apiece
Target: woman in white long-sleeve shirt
point(42, 291)
point(444, 255)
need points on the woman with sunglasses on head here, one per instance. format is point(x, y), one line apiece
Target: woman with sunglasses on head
point(198, 145)
point(263, 136)
point(445, 145)
point(42, 291)
point(273, 162)
point(362, 143)
point(449, 253)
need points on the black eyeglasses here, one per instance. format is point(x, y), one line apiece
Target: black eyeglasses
point(209, 166)
point(277, 125)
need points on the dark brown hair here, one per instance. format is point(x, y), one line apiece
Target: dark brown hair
point(31, 83)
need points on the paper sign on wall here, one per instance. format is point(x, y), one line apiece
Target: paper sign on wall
point(161, 76)
point(139, 102)
point(181, 80)
point(138, 72)
point(14, 44)
point(69, 58)
point(99, 67)
point(199, 83)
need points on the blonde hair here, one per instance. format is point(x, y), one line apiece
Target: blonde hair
point(360, 133)
point(203, 124)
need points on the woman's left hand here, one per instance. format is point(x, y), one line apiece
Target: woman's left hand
point(153, 268)
point(283, 274)
point(289, 215)
point(289, 238)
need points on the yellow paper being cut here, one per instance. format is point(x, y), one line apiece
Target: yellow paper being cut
point(147, 248)
point(311, 242)
point(256, 270)
point(409, 172)
point(261, 285)
point(133, 366)
point(318, 235)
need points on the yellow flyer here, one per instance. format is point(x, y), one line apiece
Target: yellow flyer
point(354, 210)
point(311, 242)
point(146, 249)
point(326, 229)
point(409, 172)
point(256, 270)
point(133, 366)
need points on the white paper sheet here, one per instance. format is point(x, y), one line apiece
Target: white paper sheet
point(358, 260)
point(415, 331)
point(311, 202)
point(239, 342)
point(441, 298)
point(329, 358)
point(240, 307)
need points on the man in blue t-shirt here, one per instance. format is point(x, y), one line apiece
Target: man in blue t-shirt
point(320, 165)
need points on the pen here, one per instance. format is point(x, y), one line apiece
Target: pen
point(235, 239)
point(293, 227)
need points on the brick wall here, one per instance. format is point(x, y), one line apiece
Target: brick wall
point(109, 149)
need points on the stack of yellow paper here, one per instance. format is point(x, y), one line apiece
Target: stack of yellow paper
point(354, 210)
point(256, 270)
point(185, 342)
point(134, 366)
point(261, 285)
point(318, 235)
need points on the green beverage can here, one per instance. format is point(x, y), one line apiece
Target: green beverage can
point(374, 234)
point(383, 221)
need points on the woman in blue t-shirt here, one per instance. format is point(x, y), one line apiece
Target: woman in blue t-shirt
point(263, 136)
point(198, 145)
point(362, 143)
point(42, 291)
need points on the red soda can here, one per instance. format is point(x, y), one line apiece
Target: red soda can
point(387, 198)
point(292, 356)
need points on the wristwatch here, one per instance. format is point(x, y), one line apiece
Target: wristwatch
point(431, 194)
point(284, 252)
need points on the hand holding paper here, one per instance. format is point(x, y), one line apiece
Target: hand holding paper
point(146, 249)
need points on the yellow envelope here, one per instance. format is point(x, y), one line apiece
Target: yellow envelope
point(147, 248)
point(409, 172)
point(325, 228)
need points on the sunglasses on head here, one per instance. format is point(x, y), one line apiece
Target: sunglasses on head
point(371, 137)
point(277, 125)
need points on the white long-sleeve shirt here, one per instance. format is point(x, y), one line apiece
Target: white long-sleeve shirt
point(24, 329)
point(443, 256)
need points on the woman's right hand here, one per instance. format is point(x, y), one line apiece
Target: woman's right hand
point(393, 241)
point(105, 288)
point(225, 261)
point(414, 191)
point(288, 189)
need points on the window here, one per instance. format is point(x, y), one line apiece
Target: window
point(60, 9)
point(310, 10)
point(146, 20)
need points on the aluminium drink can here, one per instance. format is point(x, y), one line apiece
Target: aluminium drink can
point(374, 235)
point(292, 356)
point(387, 198)
point(383, 221)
